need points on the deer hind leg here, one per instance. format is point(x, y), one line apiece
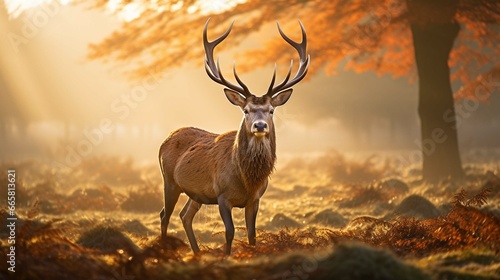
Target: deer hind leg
point(171, 195)
point(187, 214)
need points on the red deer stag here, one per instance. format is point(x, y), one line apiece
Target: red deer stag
point(230, 169)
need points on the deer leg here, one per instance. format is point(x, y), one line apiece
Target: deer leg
point(171, 195)
point(187, 215)
point(162, 217)
point(250, 218)
point(227, 218)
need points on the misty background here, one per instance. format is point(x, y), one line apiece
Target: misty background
point(59, 107)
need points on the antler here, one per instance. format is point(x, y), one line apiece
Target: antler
point(303, 66)
point(213, 69)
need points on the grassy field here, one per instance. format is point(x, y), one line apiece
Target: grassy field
point(321, 217)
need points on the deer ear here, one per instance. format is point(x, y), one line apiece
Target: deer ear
point(281, 98)
point(234, 97)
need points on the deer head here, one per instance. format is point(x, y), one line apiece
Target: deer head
point(258, 111)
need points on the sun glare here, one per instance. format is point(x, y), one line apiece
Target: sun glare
point(132, 10)
point(129, 11)
point(218, 6)
point(16, 7)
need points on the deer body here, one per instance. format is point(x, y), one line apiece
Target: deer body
point(205, 165)
point(230, 169)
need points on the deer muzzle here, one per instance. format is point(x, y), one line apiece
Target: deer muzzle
point(260, 128)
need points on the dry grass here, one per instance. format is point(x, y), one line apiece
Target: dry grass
point(103, 252)
point(461, 243)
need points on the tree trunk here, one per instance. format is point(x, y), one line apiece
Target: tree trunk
point(440, 153)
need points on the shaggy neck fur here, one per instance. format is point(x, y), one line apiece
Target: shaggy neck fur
point(255, 157)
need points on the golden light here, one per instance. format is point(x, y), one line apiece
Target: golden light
point(217, 6)
point(131, 10)
point(127, 12)
point(16, 7)
point(134, 9)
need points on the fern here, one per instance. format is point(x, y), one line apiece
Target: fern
point(479, 199)
point(459, 199)
point(34, 210)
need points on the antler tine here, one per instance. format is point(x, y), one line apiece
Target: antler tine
point(273, 79)
point(280, 85)
point(304, 60)
point(210, 46)
point(301, 48)
point(245, 88)
point(213, 69)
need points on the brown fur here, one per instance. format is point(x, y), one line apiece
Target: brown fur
point(255, 158)
point(194, 158)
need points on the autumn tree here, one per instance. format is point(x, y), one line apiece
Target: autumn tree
point(432, 41)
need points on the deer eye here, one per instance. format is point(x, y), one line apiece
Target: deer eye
point(271, 112)
point(245, 112)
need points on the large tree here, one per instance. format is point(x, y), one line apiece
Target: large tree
point(432, 41)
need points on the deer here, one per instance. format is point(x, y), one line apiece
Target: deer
point(230, 169)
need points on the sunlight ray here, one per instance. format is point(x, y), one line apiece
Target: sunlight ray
point(16, 7)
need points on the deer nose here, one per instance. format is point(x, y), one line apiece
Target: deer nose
point(260, 126)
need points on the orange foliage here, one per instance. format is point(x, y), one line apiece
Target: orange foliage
point(360, 35)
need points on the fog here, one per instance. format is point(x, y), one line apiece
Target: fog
point(56, 105)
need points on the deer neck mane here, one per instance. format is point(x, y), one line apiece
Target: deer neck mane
point(255, 157)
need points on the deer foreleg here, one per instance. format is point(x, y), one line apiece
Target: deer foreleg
point(225, 213)
point(250, 218)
